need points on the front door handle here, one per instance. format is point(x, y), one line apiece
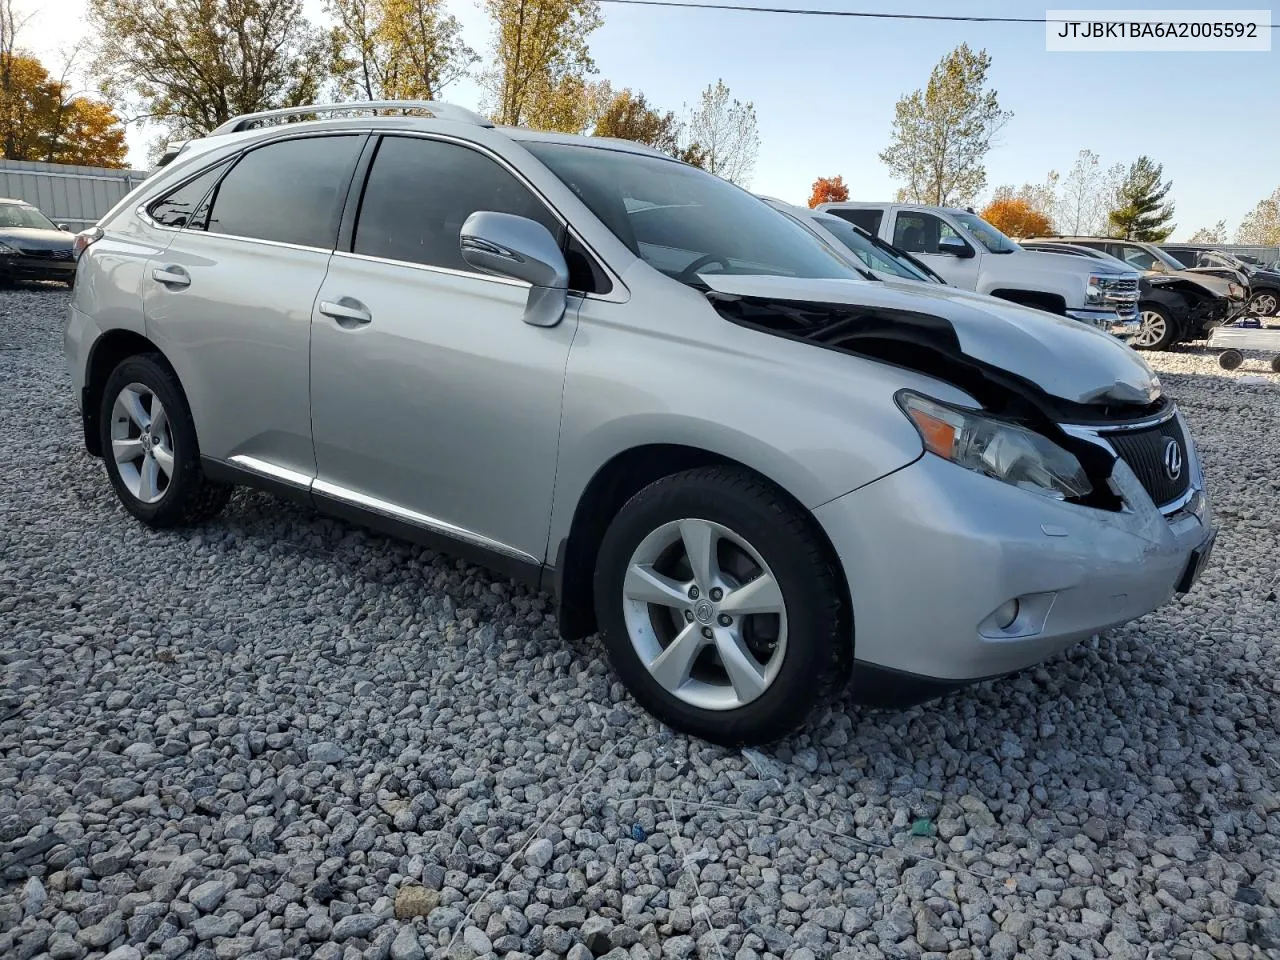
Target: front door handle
point(171, 276)
point(348, 311)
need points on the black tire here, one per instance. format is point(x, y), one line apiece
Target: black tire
point(1275, 364)
point(1157, 329)
point(190, 497)
point(819, 645)
point(1230, 359)
point(1264, 302)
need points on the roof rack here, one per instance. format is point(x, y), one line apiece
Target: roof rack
point(441, 111)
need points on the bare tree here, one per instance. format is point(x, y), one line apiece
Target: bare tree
point(1087, 195)
point(725, 133)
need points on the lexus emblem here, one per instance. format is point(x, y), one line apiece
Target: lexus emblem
point(1173, 459)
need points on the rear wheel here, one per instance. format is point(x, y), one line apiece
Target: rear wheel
point(1156, 329)
point(149, 445)
point(718, 606)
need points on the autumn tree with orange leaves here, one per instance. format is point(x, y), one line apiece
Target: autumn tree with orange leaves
point(1017, 218)
point(828, 190)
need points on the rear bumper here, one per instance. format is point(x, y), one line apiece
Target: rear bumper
point(933, 551)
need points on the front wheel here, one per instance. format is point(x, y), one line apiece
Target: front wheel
point(1156, 329)
point(1264, 303)
point(718, 606)
point(149, 445)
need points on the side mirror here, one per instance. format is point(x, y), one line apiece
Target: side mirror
point(519, 249)
point(64, 228)
point(955, 247)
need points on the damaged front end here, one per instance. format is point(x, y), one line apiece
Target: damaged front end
point(1019, 433)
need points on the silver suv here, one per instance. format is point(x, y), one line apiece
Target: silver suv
point(753, 469)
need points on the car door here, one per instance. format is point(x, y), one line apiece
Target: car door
point(229, 301)
point(431, 401)
point(918, 233)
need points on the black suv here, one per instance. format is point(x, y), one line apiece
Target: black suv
point(1175, 303)
point(1264, 281)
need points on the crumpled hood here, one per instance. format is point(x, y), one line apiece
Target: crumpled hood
point(1063, 357)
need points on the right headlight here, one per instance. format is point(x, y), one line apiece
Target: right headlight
point(1096, 292)
point(995, 448)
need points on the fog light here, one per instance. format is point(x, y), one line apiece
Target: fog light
point(1006, 614)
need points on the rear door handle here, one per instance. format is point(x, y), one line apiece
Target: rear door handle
point(171, 276)
point(348, 311)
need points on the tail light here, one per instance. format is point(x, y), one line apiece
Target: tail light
point(83, 239)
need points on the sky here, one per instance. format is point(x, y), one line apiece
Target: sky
point(824, 91)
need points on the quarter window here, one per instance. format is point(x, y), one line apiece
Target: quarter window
point(420, 192)
point(290, 192)
point(182, 207)
point(917, 232)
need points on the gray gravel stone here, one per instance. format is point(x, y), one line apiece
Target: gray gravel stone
point(320, 719)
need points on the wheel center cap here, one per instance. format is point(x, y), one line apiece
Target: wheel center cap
point(146, 442)
point(704, 612)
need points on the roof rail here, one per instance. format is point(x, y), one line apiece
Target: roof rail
point(441, 111)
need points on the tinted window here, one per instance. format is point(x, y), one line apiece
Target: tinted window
point(917, 232)
point(420, 192)
point(868, 220)
point(179, 207)
point(1137, 257)
point(291, 191)
point(685, 222)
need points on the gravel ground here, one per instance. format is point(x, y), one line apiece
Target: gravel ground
point(280, 736)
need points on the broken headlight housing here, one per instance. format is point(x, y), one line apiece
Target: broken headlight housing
point(996, 448)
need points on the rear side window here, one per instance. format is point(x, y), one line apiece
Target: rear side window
point(868, 220)
point(289, 192)
point(182, 207)
point(420, 192)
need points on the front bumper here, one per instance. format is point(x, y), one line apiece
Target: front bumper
point(1120, 323)
point(932, 552)
point(18, 267)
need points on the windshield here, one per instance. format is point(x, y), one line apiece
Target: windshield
point(986, 234)
point(21, 215)
point(684, 221)
point(875, 257)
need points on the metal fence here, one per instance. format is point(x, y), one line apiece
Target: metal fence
point(76, 196)
point(1263, 253)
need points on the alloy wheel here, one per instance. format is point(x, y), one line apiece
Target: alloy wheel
point(1150, 329)
point(1263, 305)
point(142, 443)
point(705, 614)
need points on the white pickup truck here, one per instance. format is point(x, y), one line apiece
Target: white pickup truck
point(970, 253)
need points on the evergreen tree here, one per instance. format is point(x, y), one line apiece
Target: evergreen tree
point(1141, 212)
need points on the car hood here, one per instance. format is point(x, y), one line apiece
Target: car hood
point(1064, 358)
point(1057, 263)
point(1219, 286)
point(31, 238)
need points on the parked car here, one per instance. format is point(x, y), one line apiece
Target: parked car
point(884, 260)
point(972, 254)
point(33, 247)
point(1154, 261)
point(635, 384)
point(1264, 283)
point(1171, 308)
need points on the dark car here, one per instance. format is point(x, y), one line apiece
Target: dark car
point(1264, 282)
point(33, 247)
point(1171, 307)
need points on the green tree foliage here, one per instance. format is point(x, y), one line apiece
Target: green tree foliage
point(541, 63)
point(1141, 212)
point(190, 65)
point(629, 116)
point(396, 49)
point(941, 134)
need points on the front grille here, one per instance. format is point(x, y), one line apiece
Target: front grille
point(1148, 454)
point(47, 254)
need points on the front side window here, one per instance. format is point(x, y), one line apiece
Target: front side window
point(419, 194)
point(1137, 257)
point(289, 192)
point(182, 207)
point(985, 233)
point(24, 216)
point(684, 221)
point(917, 232)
